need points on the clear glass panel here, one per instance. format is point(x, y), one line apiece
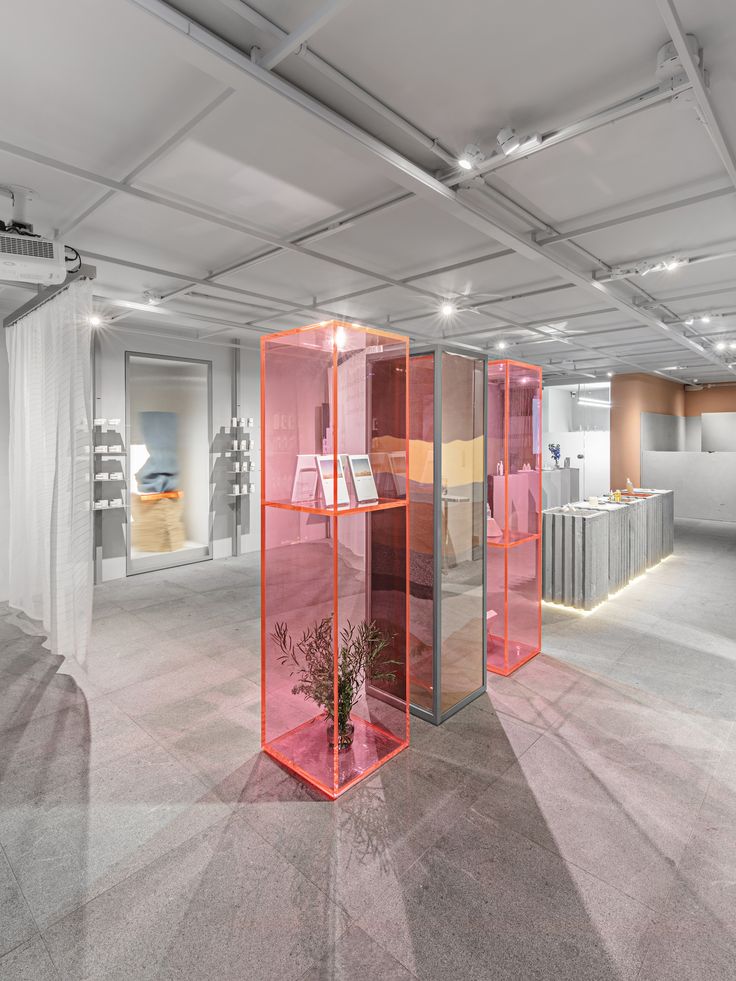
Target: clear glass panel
point(168, 403)
point(463, 473)
point(421, 574)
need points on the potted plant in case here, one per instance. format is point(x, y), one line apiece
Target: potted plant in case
point(312, 660)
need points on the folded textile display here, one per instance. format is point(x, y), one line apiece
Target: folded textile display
point(158, 522)
point(160, 472)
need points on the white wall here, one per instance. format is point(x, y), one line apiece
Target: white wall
point(4, 501)
point(583, 433)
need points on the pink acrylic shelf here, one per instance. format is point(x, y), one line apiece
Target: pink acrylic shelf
point(331, 391)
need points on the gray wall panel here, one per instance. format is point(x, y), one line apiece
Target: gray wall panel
point(704, 483)
point(718, 431)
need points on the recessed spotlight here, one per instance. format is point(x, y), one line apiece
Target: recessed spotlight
point(721, 346)
point(471, 157)
point(94, 320)
point(732, 345)
point(447, 309)
point(151, 298)
point(610, 374)
point(502, 345)
point(690, 321)
point(705, 319)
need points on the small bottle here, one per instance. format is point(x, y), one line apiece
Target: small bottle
point(629, 486)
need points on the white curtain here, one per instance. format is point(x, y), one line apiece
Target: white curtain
point(51, 574)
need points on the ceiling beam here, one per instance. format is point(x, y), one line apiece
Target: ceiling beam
point(599, 226)
point(156, 154)
point(346, 83)
point(695, 77)
point(300, 35)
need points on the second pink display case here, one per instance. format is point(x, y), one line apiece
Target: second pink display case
point(514, 517)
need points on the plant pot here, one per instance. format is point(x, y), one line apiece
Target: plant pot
point(345, 736)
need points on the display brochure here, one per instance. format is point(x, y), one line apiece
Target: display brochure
point(326, 467)
point(305, 479)
point(365, 485)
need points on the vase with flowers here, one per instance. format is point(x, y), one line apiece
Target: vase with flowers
point(554, 449)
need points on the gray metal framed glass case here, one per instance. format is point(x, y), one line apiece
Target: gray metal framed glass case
point(447, 531)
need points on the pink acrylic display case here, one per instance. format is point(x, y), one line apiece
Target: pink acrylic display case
point(334, 552)
point(514, 517)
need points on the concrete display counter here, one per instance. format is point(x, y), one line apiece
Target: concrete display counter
point(560, 487)
point(590, 551)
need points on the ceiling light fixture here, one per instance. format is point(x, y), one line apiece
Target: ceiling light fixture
point(94, 320)
point(502, 345)
point(145, 307)
point(610, 374)
point(705, 319)
point(447, 309)
point(600, 404)
point(721, 346)
point(690, 321)
point(508, 140)
point(153, 299)
point(471, 157)
point(732, 345)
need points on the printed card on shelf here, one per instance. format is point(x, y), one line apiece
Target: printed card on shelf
point(363, 481)
point(327, 468)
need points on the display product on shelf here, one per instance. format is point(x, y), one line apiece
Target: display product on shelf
point(514, 517)
point(334, 620)
point(363, 482)
point(329, 475)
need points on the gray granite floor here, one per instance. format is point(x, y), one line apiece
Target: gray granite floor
point(577, 823)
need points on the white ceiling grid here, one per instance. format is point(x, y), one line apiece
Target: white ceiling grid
point(264, 165)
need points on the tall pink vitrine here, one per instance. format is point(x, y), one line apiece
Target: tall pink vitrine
point(334, 551)
point(514, 516)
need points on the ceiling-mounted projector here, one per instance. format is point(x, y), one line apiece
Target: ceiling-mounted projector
point(31, 259)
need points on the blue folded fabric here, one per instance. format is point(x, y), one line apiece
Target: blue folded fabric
point(160, 472)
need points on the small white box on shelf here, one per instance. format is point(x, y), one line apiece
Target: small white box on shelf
point(245, 489)
point(244, 444)
point(101, 448)
point(236, 466)
point(235, 444)
point(100, 422)
point(117, 475)
point(102, 476)
point(236, 489)
point(234, 422)
point(101, 504)
point(115, 449)
point(113, 423)
point(116, 502)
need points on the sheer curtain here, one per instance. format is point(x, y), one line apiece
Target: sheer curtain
point(51, 578)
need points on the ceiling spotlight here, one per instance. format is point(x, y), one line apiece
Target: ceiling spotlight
point(447, 309)
point(471, 157)
point(705, 319)
point(732, 345)
point(502, 345)
point(94, 320)
point(610, 374)
point(695, 380)
point(690, 321)
point(721, 346)
point(153, 299)
point(531, 142)
point(508, 140)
